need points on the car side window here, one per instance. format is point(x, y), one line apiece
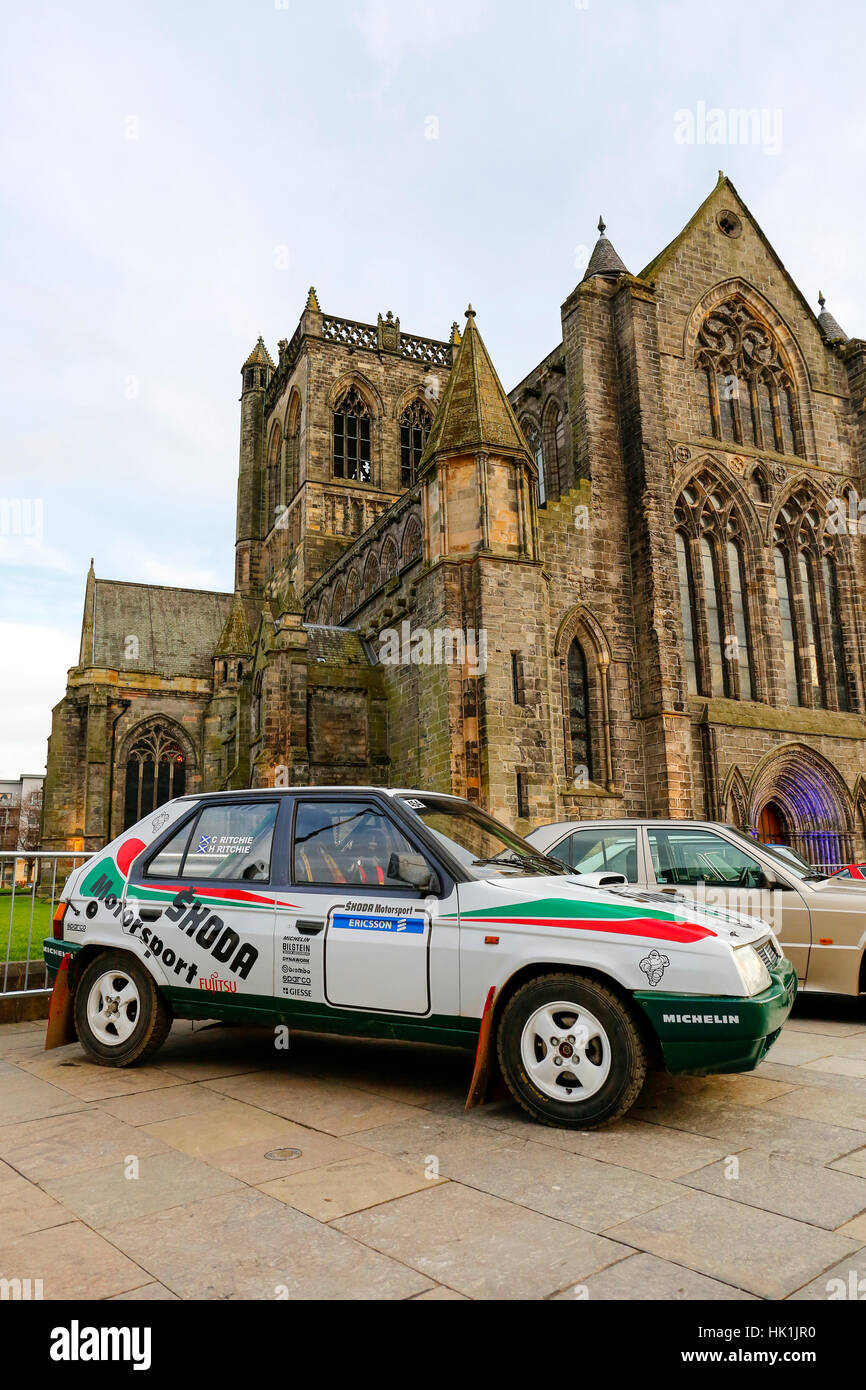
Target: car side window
point(232, 841)
point(690, 856)
point(594, 851)
point(166, 863)
point(337, 842)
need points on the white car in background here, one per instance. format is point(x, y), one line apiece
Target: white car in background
point(820, 920)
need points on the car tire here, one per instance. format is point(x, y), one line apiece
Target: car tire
point(571, 1051)
point(120, 1017)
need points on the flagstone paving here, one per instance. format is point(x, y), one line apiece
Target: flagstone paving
point(342, 1169)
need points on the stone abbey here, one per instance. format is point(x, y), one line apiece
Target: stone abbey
point(657, 534)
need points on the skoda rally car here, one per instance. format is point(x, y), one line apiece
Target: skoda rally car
point(413, 915)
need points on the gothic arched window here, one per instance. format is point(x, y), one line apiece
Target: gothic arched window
point(834, 617)
point(687, 607)
point(737, 587)
point(744, 382)
point(155, 772)
point(415, 425)
point(789, 636)
point(553, 448)
point(352, 437)
point(712, 575)
point(273, 476)
point(813, 628)
point(532, 435)
point(578, 712)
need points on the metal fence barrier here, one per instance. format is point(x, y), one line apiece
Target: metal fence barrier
point(30, 883)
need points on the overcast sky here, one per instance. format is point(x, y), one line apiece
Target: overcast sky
point(174, 176)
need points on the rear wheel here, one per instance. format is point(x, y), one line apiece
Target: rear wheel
point(120, 1017)
point(571, 1051)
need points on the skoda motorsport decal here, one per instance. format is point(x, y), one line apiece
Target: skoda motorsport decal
point(378, 917)
point(194, 919)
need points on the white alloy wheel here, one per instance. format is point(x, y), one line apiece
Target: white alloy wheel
point(113, 1007)
point(566, 1051)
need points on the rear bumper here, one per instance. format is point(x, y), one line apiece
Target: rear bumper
point(54, 951)
point(701, 1034)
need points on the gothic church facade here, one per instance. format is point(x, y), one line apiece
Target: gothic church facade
point(633, 585)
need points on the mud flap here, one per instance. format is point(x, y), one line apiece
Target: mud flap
point(487, 1083)
point(61, 1020)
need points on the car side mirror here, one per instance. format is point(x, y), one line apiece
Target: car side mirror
point(775, 885)
point(414, 870)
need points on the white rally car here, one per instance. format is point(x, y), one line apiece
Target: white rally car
point(413, 915)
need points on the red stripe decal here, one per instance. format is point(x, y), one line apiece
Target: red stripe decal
point(685, 932)
point(232, 894)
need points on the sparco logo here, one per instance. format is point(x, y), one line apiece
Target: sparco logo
point(76, 1343)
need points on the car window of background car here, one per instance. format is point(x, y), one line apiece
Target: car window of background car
point(341, 842)
point(689, 856)
point(796, 867)
point(591, 851)
point(232, 841)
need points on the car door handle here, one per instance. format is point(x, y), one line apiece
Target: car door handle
point(149, 914)
point(309, 926)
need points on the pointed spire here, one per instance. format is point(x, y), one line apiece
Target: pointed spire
point(604, 261)
point(88, 620)
point(259, 357)
point(313, 300)
point(828, 325)
point(474, 413)
point(235, 638)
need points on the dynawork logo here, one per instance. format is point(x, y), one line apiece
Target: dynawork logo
point(77, 1343)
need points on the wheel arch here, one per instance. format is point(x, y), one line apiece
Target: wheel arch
point(533, 969)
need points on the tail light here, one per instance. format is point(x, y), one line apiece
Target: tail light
point(57, 921)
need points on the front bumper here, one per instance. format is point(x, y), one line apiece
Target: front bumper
point(702, 1034)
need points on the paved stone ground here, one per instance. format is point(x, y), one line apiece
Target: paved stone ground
point(724, 1187)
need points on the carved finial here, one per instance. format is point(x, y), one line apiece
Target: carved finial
point(821, 300)
point(455, 333)
point(470, 312)
point(312, 300)
point(601, 226)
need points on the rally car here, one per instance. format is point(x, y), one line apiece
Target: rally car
point(412, 915)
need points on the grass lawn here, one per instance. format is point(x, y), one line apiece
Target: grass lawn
point(21, 925)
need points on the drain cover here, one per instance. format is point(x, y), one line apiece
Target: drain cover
point(281, 1154)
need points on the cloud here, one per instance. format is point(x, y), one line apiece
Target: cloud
point(32, 680)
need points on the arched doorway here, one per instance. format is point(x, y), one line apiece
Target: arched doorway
point(772, 825)
point(799, 793)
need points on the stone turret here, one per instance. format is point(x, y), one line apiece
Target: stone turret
point(255, 376)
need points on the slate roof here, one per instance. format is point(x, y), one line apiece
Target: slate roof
point(335, 646)
point(177, 630)
point(475, 412)
point(829, 326)
point(604, 259)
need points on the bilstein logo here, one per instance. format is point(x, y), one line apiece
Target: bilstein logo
point(77, 1343)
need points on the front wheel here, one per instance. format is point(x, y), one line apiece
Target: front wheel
point(120, 1017)
point(571, 1051)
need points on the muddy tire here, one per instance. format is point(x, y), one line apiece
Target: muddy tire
point(120, 1016)
point(571, 1051)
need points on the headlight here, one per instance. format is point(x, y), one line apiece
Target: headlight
point(753, 971)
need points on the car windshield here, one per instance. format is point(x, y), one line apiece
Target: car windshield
point(477, 841)
point(785, 857)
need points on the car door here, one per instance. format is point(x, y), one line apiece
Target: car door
point(608, 848)
point(703, 865)
point(204, 900)
point(360, 929)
